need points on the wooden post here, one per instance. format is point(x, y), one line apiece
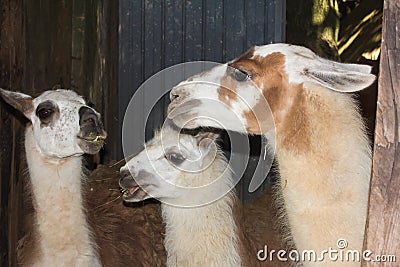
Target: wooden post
point(383, 225)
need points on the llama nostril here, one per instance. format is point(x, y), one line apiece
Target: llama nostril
point(124, 175)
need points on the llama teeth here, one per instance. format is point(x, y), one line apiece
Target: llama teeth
point(130, 192)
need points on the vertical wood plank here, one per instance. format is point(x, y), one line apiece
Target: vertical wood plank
point(193, 30)
point(78, 43)
point(130, 73)
point(383, 228)
point(270, 21)
point(48, 42)
point(213, 30)
point(153, 47)
point(234, 29)
point(107, 60)
point(152, 37)
point(174, 35)
point(11, 77)
point(255, 12)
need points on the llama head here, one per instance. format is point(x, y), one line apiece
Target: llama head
point(169, 166)
point(62, 124)
point(254, 92)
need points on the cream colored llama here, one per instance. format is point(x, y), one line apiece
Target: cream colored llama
point(172, 169)
point(62, 128)
point(322, 149)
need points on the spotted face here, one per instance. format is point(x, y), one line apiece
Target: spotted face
point(255, 92)
point(170, 164)
point(63, 125)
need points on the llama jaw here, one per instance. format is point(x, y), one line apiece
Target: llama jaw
point(91, 134)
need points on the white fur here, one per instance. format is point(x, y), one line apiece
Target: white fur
point(63, 234)
point(59, 140)
point(204, 235)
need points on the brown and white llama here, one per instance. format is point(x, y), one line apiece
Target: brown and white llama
point(62, 128)
point(201, 213)
point(322, 148)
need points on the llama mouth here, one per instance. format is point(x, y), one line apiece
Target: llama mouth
point(95, 139)
point(134, 194)
point(92, 143)
point(180, 106)
point(129, 193)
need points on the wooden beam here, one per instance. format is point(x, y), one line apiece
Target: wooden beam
point(383, 226)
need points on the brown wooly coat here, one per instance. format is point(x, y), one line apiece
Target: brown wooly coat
point(125, 236)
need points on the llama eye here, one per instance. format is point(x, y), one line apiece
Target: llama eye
point(44, 113)
point(240, 75)
point(175, 158)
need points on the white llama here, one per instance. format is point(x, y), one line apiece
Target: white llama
point(62, 128)
point(322, 149)
point(206, 235)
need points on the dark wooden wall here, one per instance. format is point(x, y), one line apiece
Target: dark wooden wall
point(48, 44)
point(156, 34)
point(383, 226)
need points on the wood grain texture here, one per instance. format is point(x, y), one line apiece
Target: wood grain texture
point(383, 227)
point(12, 47)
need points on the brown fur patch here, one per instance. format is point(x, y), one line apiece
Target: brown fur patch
point(247, 250)
point(227, 91)
point(125, 236)
point(259, 119)
point(294, 132)
point(286, 101)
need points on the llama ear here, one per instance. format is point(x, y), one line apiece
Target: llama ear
point(19, 101)
point(206, 141)
point(340, 77)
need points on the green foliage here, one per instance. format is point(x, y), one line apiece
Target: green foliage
point(337, 29)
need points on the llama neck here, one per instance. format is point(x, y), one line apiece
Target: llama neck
point(63, 233)
point(202, 236)
point(324, 160)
